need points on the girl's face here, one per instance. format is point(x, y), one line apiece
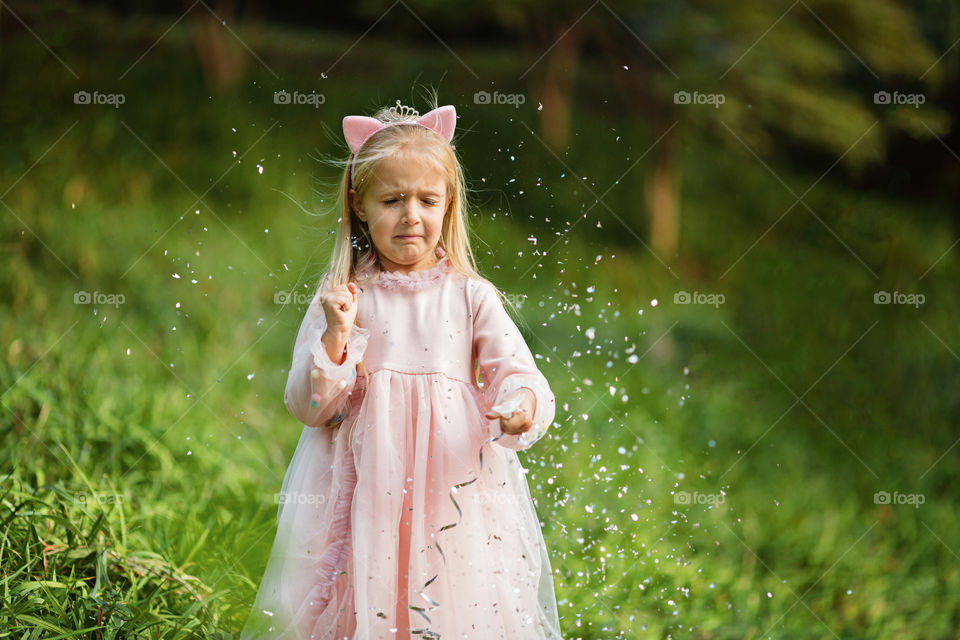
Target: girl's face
point(404, 206)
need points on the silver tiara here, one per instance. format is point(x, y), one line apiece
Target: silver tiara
point(403, 112)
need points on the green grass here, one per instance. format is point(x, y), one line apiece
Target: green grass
point(144, 443)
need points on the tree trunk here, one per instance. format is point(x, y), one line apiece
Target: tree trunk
point(556, 88)
point(222, 58)
point(663, 207)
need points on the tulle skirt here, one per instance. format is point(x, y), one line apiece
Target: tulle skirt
point(406, 521)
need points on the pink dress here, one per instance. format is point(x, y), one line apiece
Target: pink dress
point(412, 518)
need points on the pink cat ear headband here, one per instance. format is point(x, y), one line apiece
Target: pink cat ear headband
point(358, 129)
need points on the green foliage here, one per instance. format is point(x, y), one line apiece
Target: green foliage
point(144, 441)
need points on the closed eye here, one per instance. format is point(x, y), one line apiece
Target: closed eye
point(429, 203)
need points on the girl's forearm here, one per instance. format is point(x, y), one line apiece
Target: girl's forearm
point(336, 345)
point(531, 400)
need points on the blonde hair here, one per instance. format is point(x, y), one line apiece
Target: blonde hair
point(353, 249)
point(354, 257)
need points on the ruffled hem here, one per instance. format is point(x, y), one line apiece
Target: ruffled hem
point(356, 346)
point(543, 414)
point(415, 280)
point(362, 562)
point(335, 558)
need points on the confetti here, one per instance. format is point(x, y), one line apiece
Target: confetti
point(507, 407)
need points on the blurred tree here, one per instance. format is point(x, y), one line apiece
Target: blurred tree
point(750, 73)
point(737, 72)
point(223, 58)
point(933, 165)
point(555, 86)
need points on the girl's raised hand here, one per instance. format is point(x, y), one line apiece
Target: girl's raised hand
point(340, 307)
point(521, 419)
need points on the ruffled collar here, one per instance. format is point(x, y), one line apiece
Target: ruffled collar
point(415, 280)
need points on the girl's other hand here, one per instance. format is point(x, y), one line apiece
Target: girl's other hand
point(522, 419)
point(340, 308)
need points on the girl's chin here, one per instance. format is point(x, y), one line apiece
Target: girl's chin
point(405, 261)
point(408, 250)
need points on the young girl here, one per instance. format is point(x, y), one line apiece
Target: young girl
point(405, 510)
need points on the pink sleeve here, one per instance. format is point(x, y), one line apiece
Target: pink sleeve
point(317, 388)
point(506, 365)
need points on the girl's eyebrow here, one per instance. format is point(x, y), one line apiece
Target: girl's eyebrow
point(427, 192)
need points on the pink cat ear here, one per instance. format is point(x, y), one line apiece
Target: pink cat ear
point(443, 120)
point(356, 130)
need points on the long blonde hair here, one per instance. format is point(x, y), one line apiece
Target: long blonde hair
point(354, 257)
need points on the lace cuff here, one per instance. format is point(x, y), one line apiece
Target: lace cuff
point(330, 384)
point(542, 416)
point(356, 346)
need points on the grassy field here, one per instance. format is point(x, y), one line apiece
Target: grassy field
point(712, 470)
